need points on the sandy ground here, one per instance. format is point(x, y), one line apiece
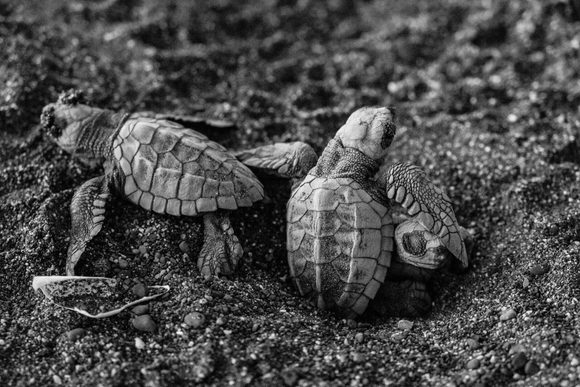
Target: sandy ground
point(487, 94)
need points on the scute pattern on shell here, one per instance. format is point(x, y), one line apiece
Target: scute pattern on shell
point(169, 169)
point(339, 245)
point(409, 185)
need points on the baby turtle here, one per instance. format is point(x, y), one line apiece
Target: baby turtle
point(341, 235)
point(340, 229)
point(160, 166)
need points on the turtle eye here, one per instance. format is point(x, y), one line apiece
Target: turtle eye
point(415, 243)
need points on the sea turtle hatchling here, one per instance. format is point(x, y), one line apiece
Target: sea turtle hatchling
point(342, 237)
point(160, 166)
point(340, 230)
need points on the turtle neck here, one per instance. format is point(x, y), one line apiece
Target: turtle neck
point(98, 133)
point(338, 161)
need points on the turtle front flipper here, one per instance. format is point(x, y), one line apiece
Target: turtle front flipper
point(221, 248)
point(409, 186)
point(286, 160)
point(87, 214)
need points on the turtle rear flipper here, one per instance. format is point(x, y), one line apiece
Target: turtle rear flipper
point(406, 298)
point(409, 186)
point(87, 215)
point(286, 160)
point(221, 249)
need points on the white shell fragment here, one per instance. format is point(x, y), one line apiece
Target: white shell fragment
point(95, 297)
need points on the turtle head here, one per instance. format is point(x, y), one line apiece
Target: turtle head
point(79, 129)
point(417, 246)
point(369, 130)
point(66, 120)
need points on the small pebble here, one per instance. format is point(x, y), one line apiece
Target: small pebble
point(405, 325)
point(516, 348)
point(531, 368)
point(194, 319)
point(56, 379)
point(472, 343)
point(123, 263)
point(359, 337)
point(140, 309)
point(473, 364)
point(574, 362)
point(358, 357)
point(398, 336)
point(507, 314)
point(219, 321)
point(540, 269)
point(139, 290)
point(75, 334)
point(139, 344)
point(142, 249)
point(526, 282)
point(144, 323)
point(289, 376)
point(519, 361)
point(184, 246)
point(552, 229)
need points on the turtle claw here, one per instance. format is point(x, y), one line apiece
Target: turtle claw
point(95, 297)
point(221, 250)
point(219, 256)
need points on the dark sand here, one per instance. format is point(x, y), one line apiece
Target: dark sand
point(488, 96)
